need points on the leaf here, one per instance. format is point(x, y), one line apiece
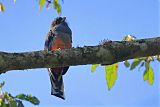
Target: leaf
point(147, 66)
point(41, 3)
point(158, 58)
point(94, 66)
point(33, 100)
point(7, 100)
point(135, 63)
point(10, 98)
point(30, 98)
point(57, 6)
point(111, 74)
point(151, 76)
point(126, 63)
point(149, 59)
point(1, 101)
point(142, 64)
point(145, 75)
point(13, 103)
point(14, 1)
point(5, 105)
point(2, 84)
point(129, 38)
point(21, 96)
point(19, 103)
point(148, 74)
point(2, 7)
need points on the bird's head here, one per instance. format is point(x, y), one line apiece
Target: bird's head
point(58, 20)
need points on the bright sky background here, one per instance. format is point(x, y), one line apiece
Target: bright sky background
point(23, 28)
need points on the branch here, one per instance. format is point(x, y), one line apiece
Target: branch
point(108, 53)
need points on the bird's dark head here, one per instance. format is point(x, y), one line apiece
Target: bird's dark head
point(58, 20)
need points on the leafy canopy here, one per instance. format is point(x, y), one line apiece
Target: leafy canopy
point(8, 100)
point(55, 3)
point(111, 70)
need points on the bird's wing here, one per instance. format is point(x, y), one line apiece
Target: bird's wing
point(49, 40)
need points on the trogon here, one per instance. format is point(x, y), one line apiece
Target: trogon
point(59, 37)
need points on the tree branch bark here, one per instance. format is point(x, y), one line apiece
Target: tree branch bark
point(108, 53)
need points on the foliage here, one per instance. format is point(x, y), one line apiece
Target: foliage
point(157, 57)
point(7, 100)
point(148, 74)
point(111, 70)
point(111, 74)
point(94, 66)
point(41, 3)
point(2, 7)
point(143, 62)
point(56, 5)
point(126, 63)
point(135, 63)
point(129, 38)
point(14, 1)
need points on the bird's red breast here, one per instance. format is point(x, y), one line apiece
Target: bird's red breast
point(60, 44)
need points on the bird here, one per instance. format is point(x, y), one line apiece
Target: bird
point(59, 37)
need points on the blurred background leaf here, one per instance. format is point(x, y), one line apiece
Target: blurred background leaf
point(7, 100)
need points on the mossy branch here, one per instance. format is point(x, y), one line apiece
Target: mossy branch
point(108, 53)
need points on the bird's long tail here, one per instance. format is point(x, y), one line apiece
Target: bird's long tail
point(57, 86)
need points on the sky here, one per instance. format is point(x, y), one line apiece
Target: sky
point(23, 28)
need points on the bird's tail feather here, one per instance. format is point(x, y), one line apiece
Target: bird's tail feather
point(57, 86)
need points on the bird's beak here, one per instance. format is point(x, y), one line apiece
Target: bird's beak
point(64, 18)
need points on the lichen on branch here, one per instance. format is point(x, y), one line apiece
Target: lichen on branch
point(106, 54)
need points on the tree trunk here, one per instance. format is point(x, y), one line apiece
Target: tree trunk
point(107, 53)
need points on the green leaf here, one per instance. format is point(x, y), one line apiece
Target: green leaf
point(57, 6)
point(14, 1)
point(94, 66)
point(135, 63)
point(33, 100)
point(1, 101)
point(145, 75)
point(126, 63)
point(30, 98)
point(158, 58)
point(142, 64)
point(147, 65)
point(151, 76)
point(111, 75)
point(2, 7)
point(21, 96)
point(19, 103)
point(13, 103)
point(148, 74)
point(129, 38)
point(41, 3)
point(9, 98)
point(5, 105)
point(2, 84)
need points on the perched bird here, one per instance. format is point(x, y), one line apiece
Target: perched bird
point(59, 37)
